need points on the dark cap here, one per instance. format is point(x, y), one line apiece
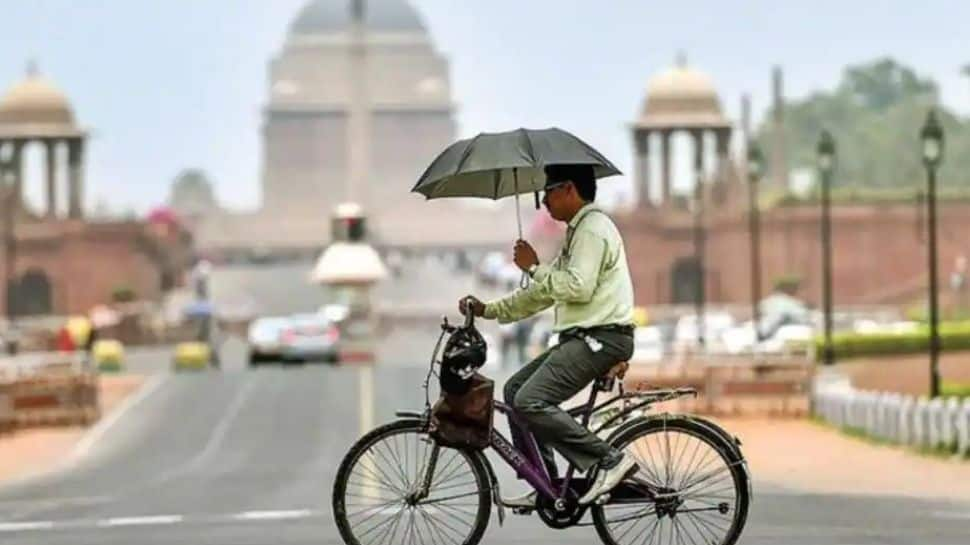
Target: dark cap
point(558, 174)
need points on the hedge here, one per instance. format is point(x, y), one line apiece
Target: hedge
point(953, 336)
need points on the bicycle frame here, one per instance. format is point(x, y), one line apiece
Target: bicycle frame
point(530, 465)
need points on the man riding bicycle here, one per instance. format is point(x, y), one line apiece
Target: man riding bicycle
point(589, 286)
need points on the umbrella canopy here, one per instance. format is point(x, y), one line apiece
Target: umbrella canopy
point(496, 165)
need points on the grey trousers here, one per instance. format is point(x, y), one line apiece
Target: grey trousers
point(536, 390)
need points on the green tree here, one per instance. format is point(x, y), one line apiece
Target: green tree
point(875, 114)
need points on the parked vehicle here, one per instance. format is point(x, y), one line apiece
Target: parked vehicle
point(309, 337)
point(192, 356)
point(264, 339)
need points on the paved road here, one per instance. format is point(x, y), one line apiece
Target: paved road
point(248, 457)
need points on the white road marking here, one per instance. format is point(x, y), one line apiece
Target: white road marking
point(952, 515)
point(155, 520)
point(215, 440)
point(140, 521)
point(366, 397)
point(222, 428)
point(273, 515)
point(366, 402)
point(24, 526)
point(94, 434)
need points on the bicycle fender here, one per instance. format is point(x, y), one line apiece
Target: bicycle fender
point(496, 494)
point(729, 440)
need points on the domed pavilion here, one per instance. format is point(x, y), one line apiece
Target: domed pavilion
point(680, 99)
point(33, 111)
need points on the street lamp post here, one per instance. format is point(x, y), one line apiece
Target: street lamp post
point(755, 171)
point(700, 278)
point(931, 136)
point(7, 209)
point(826, 164)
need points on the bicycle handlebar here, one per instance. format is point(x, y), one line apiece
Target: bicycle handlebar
point(469, 314)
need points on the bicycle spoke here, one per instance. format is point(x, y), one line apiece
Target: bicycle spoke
point(704, 519)
point(433, 532)
point(378, 484)
point(377, 507)
point(706, 477)
point(448, 526)
point(390, 529)
point(651, 529)
point(374, 454)
point(453, 486)
point(648, 468)
point(452, 512)
point(452, 471)
point(440, 529)
point(690, 463)
point(636, 522)
point(395, 465)
point(700, 529)
point(446, 498)
point(686, 531)
point(381, 524)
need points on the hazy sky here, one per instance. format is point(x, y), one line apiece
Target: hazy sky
point(169, 84)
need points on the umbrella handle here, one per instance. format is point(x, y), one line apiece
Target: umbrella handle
point(524, 280)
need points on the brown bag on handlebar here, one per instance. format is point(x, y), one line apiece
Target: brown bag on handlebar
point(464, 421)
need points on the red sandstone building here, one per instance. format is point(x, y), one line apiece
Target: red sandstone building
point(55, 261)
point(879, 251)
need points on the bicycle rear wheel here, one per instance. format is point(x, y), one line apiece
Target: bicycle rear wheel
point(700, 482)
point(374, 499)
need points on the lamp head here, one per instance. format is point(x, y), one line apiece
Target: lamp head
point(826, 152)
point(931, 136)
point(755, 161)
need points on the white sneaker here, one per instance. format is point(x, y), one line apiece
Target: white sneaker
point(607, 480)
point(525, 501)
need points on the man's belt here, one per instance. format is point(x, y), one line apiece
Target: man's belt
point(624, 329)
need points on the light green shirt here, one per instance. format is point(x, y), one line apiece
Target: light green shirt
point(589, 282)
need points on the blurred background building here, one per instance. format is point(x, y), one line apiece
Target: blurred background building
point(359, 103)
point(878, 247)
point(55, 260)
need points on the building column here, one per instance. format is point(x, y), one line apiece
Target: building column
point(698, 136)
point(641, 141)
point(722, 144)
point(51, 148)
point(666, 154)
point(76, 168)
point(17, 165)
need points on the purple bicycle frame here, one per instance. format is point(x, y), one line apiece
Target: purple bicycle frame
point(530, 465)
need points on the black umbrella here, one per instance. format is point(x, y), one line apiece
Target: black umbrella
point(496, 165)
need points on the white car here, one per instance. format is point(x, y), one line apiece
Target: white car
point(264, 339)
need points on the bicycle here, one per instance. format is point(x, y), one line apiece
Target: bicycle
point(397, 486)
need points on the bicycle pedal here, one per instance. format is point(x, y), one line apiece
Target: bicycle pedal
point(522, 511)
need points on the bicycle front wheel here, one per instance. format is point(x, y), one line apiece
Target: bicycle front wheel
point(376, 500)
point(691, 487)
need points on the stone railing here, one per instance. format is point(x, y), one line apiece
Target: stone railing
point(47, 389)
point(940, 423)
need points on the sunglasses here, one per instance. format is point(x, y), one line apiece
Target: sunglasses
point(550, 188)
